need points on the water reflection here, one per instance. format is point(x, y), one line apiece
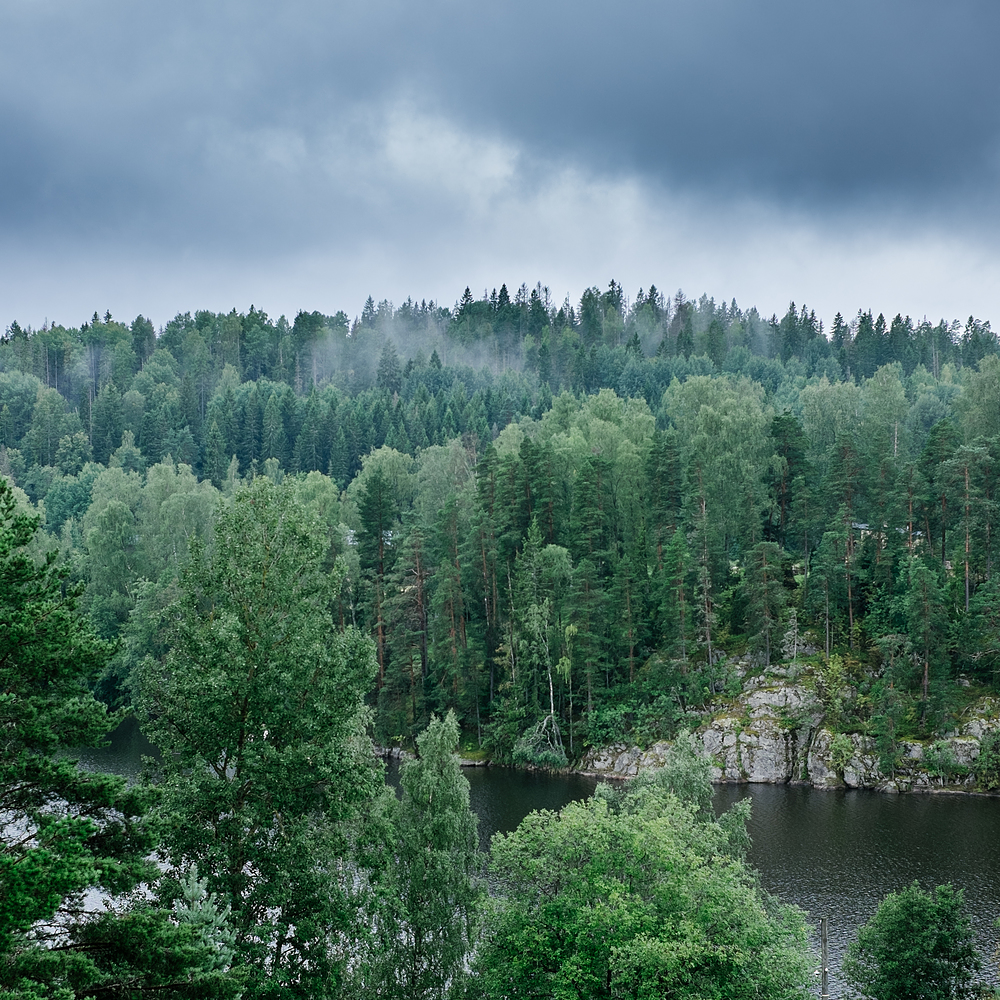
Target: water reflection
point(123, 753)
point(502, 796)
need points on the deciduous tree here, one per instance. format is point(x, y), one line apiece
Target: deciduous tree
point(918, 946)
point(257, 710)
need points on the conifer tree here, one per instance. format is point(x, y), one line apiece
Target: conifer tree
point(108, 423)
point(273, 433)
point(378, 512)
point(389, 374)
point(70, 832)
point(927, 620)
point(428, 903)
point(765, 593)
point(216, 460)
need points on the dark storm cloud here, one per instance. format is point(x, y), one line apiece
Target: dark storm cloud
point(250, 124)
point(821, 101)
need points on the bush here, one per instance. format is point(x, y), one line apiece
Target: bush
point(540, 746)
point(841, 751)
point(918, 945)
point(939, 759)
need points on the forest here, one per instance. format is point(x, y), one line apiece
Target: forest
point(504, 528)
point(559, 523)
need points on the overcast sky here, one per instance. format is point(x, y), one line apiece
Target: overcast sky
point(164, 157)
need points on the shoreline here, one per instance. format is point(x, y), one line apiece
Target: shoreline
point(882, 788)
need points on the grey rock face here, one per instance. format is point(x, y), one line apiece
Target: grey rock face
point(773, 734)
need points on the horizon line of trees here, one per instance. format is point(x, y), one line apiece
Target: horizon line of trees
point(526, 333)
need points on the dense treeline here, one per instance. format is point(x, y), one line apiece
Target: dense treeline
point(557, 522)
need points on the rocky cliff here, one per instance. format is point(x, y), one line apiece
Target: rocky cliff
point(774, 733)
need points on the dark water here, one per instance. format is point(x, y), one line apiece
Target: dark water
point(502, 796)
point(835, 854)
point(123, 754)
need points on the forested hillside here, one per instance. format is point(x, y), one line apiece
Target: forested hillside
point(558, 521)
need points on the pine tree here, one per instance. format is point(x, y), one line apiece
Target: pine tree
point(338, 469)
point(450, 640)
point(308, 446)
point(273, 433)
point(70, 831)
point(927, 620)
point(250, 428)
point(765, 593)
point(865, 349)
point(936, 511)
point(676, 606)
point(378, 511)
point(789, 479)
point(402, 700)
point(109, 423)
point(216, 460)
point(389, 374)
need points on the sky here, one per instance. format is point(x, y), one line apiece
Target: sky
point(157, 158)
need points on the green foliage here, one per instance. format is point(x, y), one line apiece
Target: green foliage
point(537, 747)
point(893, 719)
point(634, 896)
point(941, 763)
point(199, 909)
point(697, 475)
point(831, 677)
point(257, 710)
point(765, 595)
point(73, 453)
point(918, 945)
point(47, 651)
point(427, 898)
point(987, 763)
point(841, 752)
point(554, 546)
point(68, 832)
point(686, 773)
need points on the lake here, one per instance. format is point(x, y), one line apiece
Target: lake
point(834, 853)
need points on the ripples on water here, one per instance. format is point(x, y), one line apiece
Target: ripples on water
point(123, 754)
point(838, 853)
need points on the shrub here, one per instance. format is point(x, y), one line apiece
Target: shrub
point(987, 766)
point(918, 944)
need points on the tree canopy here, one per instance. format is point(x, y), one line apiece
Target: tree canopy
point(917, 946)
point(69, 836)
point(636, 894)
